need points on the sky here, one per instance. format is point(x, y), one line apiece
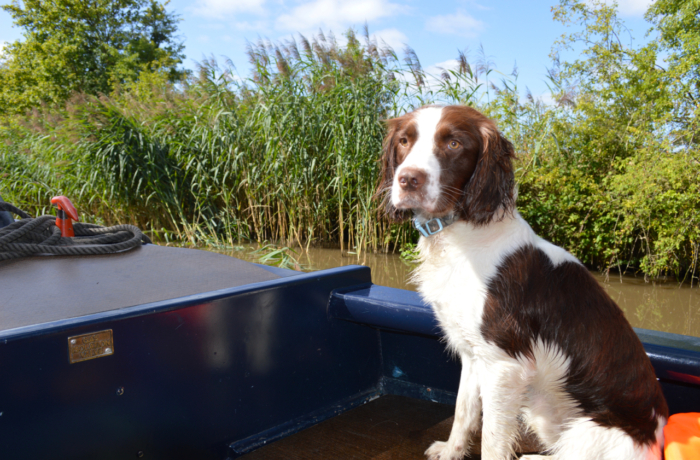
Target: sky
point(511, 32)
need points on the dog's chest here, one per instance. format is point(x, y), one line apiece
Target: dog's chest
point(455, 285)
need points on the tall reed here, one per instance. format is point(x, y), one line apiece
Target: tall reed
point(290, 154)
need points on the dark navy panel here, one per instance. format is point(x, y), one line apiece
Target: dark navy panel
point(679, 373)
point(681, 397)
point(674, 363)
point(419, 360)
point(5, 217)
point(187, 377)
point(387, 308)
point(391, 386)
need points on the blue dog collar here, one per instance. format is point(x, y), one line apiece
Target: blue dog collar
point(433, 226)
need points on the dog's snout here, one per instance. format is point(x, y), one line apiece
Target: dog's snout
point(412, 179)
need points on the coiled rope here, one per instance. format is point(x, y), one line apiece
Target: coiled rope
point(32, 236)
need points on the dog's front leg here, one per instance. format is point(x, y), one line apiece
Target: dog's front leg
point(502, 392)
point(466, 421)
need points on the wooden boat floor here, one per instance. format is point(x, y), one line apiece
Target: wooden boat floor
point(388, 428)
point(391, 427)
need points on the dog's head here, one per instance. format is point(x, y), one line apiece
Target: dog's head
point(439, 161)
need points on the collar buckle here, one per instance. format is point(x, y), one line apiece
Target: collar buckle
point(431, 227)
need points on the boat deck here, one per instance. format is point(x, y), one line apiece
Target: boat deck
point(391, 427)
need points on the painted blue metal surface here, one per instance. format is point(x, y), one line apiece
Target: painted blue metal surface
point(679, 373)
point(5, 217)
point(421, 361)
point(187, 377)
point(675, 358)
point(385, 307)
point(217, 374)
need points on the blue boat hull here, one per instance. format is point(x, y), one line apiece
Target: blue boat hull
point(218, 374)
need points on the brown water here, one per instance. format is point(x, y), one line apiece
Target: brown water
point(659, 306)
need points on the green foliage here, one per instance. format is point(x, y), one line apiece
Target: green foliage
point(678, 24)
point(409, 253)
point(283, 257)
point(619, 183)
point(91, 47)
point(609, 170)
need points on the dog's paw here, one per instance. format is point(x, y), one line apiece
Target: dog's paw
point(444, 451)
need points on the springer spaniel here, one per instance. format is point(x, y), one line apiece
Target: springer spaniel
point(540, 341)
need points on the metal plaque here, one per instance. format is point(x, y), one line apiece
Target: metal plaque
point(90, 346)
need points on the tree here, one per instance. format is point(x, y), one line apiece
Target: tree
point(89, 46)
point(678, 23)
point(626, 151)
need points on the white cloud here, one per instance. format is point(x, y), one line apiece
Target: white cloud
point(434, 72)
point(547, 99)
point(222, 8)
point(460, 23)
point(246, 26)
point(334, 14)
point(436, 69)
point(392, 37)
point(631, 7)
point(634, 7)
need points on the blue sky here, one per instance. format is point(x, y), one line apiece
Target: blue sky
point(510, 30)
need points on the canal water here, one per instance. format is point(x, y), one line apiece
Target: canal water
point(661, 306)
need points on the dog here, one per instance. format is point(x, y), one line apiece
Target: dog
point(540, 342)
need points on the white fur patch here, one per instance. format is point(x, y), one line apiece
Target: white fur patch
point(556, 254)
point(583, 440)
point(548, 406)
point(422, 157)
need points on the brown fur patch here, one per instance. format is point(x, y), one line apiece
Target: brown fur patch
point(610, 375)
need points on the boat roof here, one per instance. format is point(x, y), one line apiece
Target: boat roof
point(42, 289)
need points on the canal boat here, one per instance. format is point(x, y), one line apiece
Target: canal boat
point(172, 353)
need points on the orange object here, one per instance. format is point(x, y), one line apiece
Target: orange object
point(682, 437)
point(65, 212)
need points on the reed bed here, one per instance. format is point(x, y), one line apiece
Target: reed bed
point(289, 154)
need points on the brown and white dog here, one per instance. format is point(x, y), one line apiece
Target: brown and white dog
point(541, 343)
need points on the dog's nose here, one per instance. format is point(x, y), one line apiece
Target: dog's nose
point(412, 179)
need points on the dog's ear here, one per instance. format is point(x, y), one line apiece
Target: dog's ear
point(387, 169)
point(489, 194)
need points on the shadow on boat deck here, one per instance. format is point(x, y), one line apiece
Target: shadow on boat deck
point(391, 427)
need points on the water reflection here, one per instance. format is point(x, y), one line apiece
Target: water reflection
point(662, 306)
point(659, 306)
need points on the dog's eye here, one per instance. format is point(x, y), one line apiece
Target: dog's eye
point(453, 145)
point(403, 141)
